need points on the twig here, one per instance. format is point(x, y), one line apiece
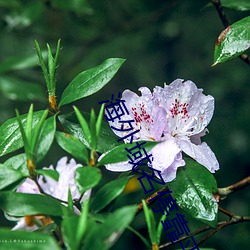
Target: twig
point(234, 220)
point(224, 211)
point(140, 206)
point(226, 23)
point(42, 192)
point(224, 192)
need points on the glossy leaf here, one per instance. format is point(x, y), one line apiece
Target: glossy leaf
point(193, 189)
point(107, 138)
point(90, 81)
point(119, 154)
point(20, 204)
point(46, 137)
point(241, 5)
point(108, 193)
point(9, 175)
point(10, 136)
point(73, 146)
point(109, 232)
point(233, 41)
point(87, 177)
point(19, 90)
point(16, 240)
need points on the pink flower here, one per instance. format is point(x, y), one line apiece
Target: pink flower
point(58, 189)
point(177, 115)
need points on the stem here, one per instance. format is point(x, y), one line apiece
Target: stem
point(234, 220)
point(140, 205)
point(224, 192)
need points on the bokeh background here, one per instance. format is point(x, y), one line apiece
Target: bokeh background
point(161, 41)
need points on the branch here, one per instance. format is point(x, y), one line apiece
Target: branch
point(226, 23)
point(224, 192)
point(140, 206)
point(234, 220)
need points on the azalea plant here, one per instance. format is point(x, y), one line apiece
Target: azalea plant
point(73, 205)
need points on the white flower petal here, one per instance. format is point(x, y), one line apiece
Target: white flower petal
point(29, 187)
point(189, 110)
point(167, 158)
point(201, 153)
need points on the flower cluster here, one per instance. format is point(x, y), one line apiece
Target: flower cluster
point(58, 189)
point(177, 116)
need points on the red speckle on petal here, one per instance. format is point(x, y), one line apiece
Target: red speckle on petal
point(141, 115)
point(179, 109)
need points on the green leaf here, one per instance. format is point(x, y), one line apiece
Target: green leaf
point(69, 230)
point(74, 228)
point(241, 5)
point(92, 126)
point(18, 162)
point(90, 81)
point(53, 174)
point(84, 125)
point(20, 204)
point(108, 193)
point(150, 219)
point(160, 228)
point(99, 121)
point(16, 240)
point(10, 136)
point(193, 190)
point(19, 90)
point(107, 138)
point(8, 176)
point(87, 177)
point(73, 146)
point(109, 232)
point(119, 154)
point(233, 41)
point(46, 138)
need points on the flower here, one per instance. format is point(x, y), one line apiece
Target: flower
point(177, 116)
point(58, 189)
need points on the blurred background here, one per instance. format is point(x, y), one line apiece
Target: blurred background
point(161, 41)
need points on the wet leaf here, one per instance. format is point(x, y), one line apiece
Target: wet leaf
point(233, 41)
point(193, 189)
